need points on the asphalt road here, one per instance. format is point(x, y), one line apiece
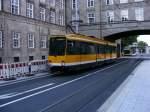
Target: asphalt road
point(82, 91)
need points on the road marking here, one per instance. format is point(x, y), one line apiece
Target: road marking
point(23, 80)
point(111, 99)
point(116, 93)
point(5, 96)
point(23, 98)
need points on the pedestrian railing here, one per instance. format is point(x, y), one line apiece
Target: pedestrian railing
point(13, 70)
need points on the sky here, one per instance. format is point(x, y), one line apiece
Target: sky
point(145, 38)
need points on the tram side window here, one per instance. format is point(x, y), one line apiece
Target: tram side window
point(110, 49)
point(101, 49)
point(107, 49)
point(91, 49)
point(73, 47)
point(104, 49)
point(88, 48)
point(84, 49)
point(97, 49)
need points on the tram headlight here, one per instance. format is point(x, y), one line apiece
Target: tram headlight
point(62, 63)
point(49, 62)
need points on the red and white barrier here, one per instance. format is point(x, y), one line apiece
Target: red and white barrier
point(22, 69)
point(6, 71)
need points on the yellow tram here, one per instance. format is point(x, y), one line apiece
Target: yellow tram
point(74, 51)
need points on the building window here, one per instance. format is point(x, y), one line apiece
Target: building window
point(0, 5)
point(51, 3)
point(139, 14)
point(15, 6)
point(110, 16)
point(16, 59)
point(43, 42)
point(91, 18)
point(42, 13)
point(90, 3)
point(74, 4)
point(123, 1)
point(124, 15)
point(61, 20)
point(1, 39)
point(42, 1)
point(30, 41)
point(52, 17)
point(62, 4)
point(29, 10)
point(43, 57)
point(109, 2)
point(31, 58)
point(138, 0)
point(16, 40)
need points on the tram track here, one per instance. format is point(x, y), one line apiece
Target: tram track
point(116, 83)
point(57, 104)
point(78, 92)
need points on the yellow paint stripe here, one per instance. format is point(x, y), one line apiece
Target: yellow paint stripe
point(78, 58)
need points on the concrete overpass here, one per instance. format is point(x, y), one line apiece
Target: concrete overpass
point(116, 30)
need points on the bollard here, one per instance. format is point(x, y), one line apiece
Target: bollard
point(30, 69)
point(1, 72)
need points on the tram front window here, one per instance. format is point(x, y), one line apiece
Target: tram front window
point(57, 46)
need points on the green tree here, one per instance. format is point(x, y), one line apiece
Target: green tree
point(126, 41)
point(141, 46)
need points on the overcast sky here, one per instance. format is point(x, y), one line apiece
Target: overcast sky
point(145, 38)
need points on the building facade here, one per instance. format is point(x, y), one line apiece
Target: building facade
point(97, 16)
point(25, 26)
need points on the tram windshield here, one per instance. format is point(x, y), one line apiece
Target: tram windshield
point(57, 46)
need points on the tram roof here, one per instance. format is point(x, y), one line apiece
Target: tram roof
point(84, 38)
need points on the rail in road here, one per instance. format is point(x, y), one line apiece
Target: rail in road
point(74, 92)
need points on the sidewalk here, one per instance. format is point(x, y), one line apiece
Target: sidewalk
point(134, 95)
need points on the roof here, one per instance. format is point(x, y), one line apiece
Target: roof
point(84, 38)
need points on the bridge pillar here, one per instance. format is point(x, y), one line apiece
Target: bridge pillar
point(118, 42)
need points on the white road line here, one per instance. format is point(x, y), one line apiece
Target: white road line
point(116, 93)
point(6, 96)
point(17, 94)
point(23, 80)
point(111, 99)
point(14, 101)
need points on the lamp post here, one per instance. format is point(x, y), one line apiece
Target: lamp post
point(100, 18)
point(77, 17)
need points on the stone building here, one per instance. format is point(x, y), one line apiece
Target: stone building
point(25, 26)
point(101, 17)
